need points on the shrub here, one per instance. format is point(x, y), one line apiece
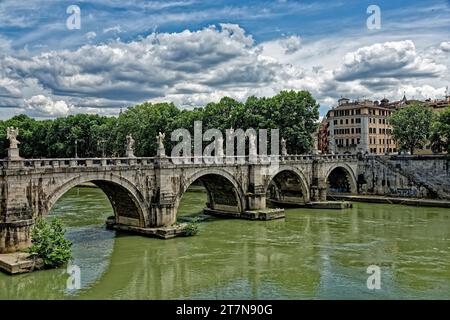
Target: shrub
point(49, 244)
point(191, 229)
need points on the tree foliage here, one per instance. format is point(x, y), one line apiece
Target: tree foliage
point(441, 130)
point(294, 113)
point(49, 244)
point(411, 126)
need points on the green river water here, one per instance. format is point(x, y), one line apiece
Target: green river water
point(312, 254)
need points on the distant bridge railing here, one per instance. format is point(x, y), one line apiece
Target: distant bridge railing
point(146, 161)
point(78, 162)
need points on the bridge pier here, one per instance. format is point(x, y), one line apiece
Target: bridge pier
point(164, 214)
point(15, 235)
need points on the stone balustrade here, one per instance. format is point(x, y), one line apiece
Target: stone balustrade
point(123, 162)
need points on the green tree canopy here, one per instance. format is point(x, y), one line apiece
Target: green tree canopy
point(294, 113)
point(411, 126)
point(441, 129)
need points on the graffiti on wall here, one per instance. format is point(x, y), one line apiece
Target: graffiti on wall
point(404, 192)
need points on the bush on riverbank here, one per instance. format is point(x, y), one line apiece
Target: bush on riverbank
point(191, 229)
point(49, 244)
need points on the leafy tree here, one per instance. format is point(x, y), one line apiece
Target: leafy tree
point(441, 129)
point(411, 126)
point(83, 130)
point(143, 122)
point(295, 113)
point(32, 135)
point(49, 244)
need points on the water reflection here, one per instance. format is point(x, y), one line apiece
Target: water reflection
point(313, 254)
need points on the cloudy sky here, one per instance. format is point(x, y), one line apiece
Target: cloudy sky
point(191, 52)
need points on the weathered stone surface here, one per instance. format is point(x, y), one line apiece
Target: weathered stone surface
point(423, 176)
point(262, 214)
point(337, 205)
point(168, 232)
point(19, 262)
point(15, 235)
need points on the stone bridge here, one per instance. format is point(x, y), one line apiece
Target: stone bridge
point(146, 192)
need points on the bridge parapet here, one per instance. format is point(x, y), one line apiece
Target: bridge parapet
point(297, 157)
point(337, 157)
point(146, 161)
point(76, 163)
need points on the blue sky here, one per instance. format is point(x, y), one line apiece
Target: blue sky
point(191, 52)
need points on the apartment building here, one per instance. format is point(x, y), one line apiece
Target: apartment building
point(363, 126)
point(360, 126)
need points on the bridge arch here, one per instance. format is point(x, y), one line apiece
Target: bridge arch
point(223, 190)
point(288, 184)
point(128, 203)
point(341, 177)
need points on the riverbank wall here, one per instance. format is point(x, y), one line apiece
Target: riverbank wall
point(421, 176)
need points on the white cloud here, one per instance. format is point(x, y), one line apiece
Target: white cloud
point(191, 68)
point(41, 105)
point(116, 29)
point(90, 35)
point(387, 60)
point(420, 92)
point(291, 44)
point(445, 46)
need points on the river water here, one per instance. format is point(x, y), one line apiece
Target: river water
point(312, 254)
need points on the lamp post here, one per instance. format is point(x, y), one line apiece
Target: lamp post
point(76, 148)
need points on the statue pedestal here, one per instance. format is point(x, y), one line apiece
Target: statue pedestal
point(161, 152)
point(13, 154)
point(130, 154)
